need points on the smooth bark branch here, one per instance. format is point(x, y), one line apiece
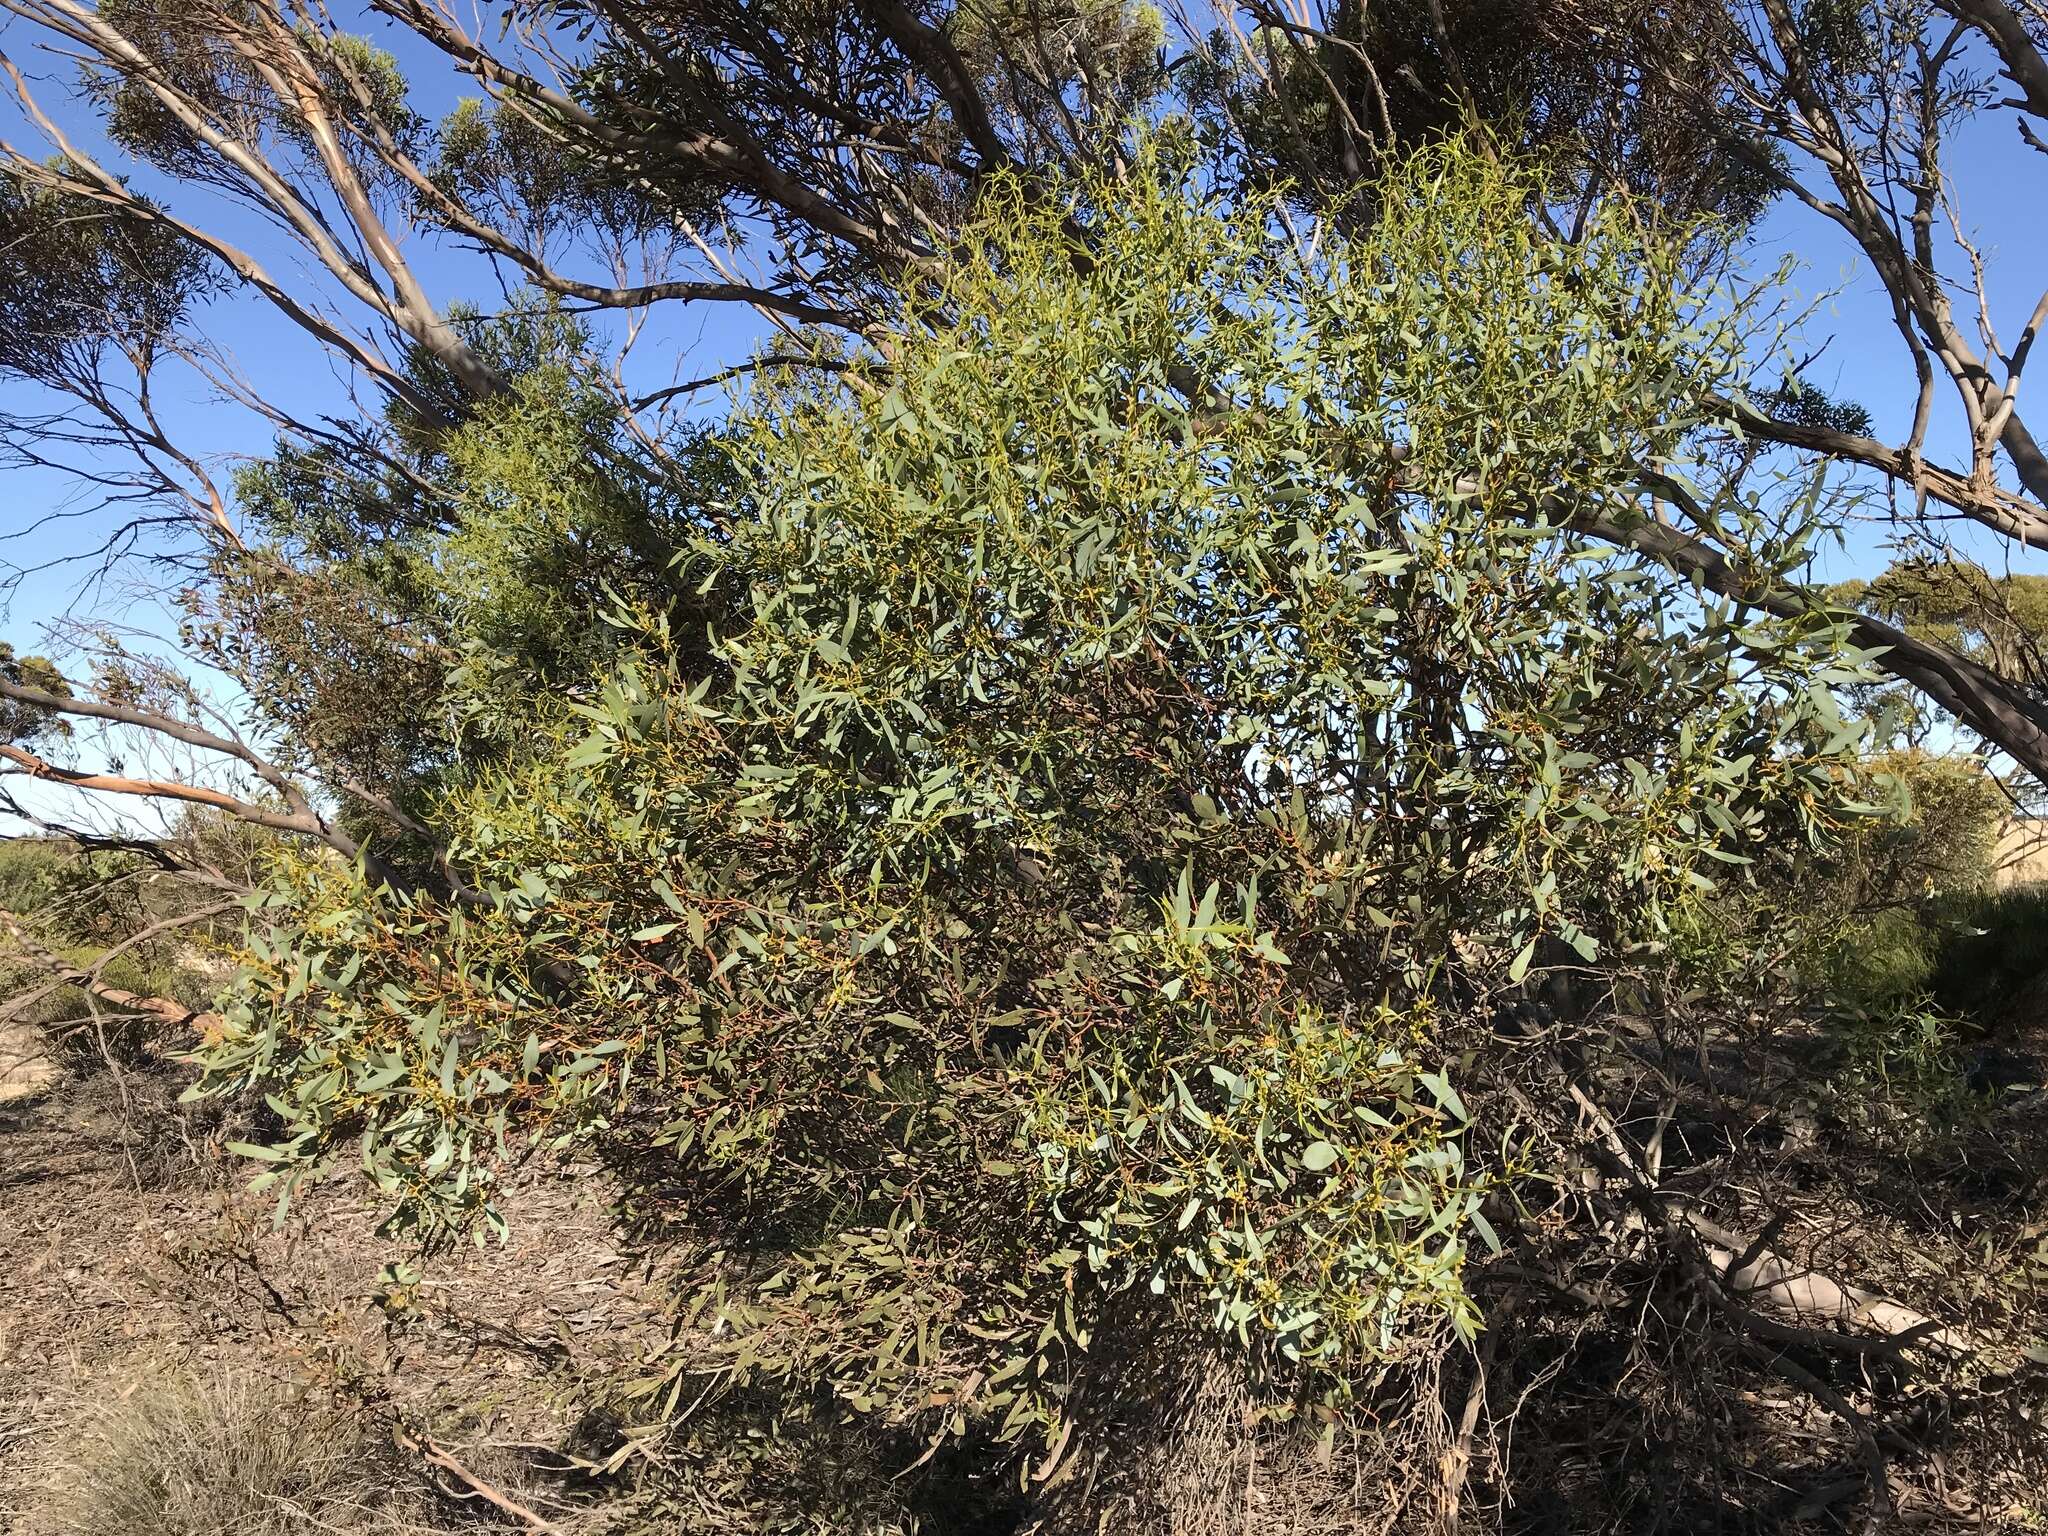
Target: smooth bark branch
point(1994, 707)
point(299, 815)
point(405, 306)
point(2006, 31)
point(496, 242)
point(439, 1455)
point(64, 974)
point(291, 74)
point(721, 148)
point(1752, 1272)
point(163, 725)
point(1920, 298)
point(171, 789)
point(103, 186)
point(2023, 521)
point(932, 52)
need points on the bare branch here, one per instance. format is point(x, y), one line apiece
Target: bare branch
point(87, 977)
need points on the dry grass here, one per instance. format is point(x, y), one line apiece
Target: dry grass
point(181, 1456)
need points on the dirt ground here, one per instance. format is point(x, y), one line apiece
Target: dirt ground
point(121, 1262)
point(2021, 857)
point(26, 1066)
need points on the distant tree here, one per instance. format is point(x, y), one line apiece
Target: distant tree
point(2000, 620)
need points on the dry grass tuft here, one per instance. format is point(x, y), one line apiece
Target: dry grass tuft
point(177, 1456)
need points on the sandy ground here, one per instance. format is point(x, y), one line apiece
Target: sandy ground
point(2022, 854)
point(120, 1261)
point(26, 1067)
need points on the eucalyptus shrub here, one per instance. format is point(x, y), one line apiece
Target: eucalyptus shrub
point(1151, 708)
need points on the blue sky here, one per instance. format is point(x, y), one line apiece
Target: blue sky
point(285, 366)
point(2001, 182)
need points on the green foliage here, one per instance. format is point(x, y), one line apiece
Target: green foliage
point(396, 619)
point(1871, 900)
point(26, 724)
point(210, 54)
point(1853, 921)
point(547, 535)
point(329, 654)
point(2001, 621)
point(1879, 959)
point(1992, 961)
point(356, 71)
point(1948, 840)
point(1122, 43)
point(1169, 1181)
point(1903, 910)
point(78, 904)
point(28, 869)
point(1900, 1075)
point(1803, 404)
point(1134, 728)
point(78, 277)
point(1843, 40)
point(1320, 112)
point(507, 167)
point(178, 43)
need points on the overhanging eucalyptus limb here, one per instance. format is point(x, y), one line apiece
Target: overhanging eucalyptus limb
point(2011, 714)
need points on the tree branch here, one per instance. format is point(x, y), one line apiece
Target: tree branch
point(168, 1009)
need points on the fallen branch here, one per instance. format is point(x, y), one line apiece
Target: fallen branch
point(1751, 1271)
point(440, 1456)
point(1745, 1270)
point(304, 822)
point(168, 1009)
